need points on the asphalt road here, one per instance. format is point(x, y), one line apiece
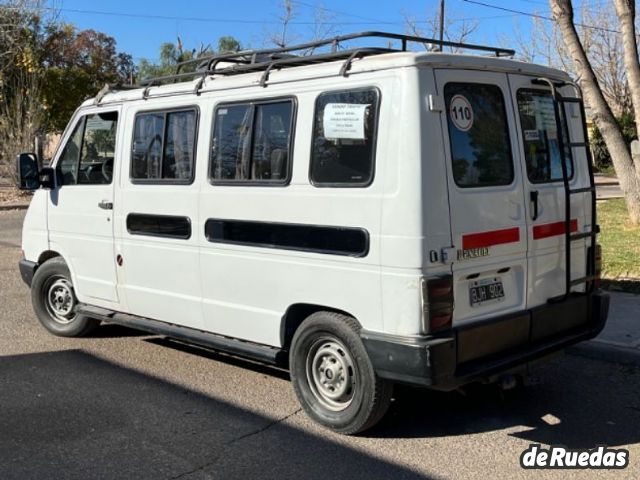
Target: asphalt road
point(128, 405)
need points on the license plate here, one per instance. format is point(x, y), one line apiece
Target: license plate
point(487, 290)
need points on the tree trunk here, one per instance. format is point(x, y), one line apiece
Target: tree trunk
point(626, 11)
point(603, 116)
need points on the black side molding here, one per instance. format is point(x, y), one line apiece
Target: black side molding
point(167, 226)
point(346, 241)
point(255, 351)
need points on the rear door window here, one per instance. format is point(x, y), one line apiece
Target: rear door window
point(478, 135)
point(540, 137)
point(344, 137)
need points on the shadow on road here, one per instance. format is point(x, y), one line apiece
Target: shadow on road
point(220, 357)
point(71, 415)
point(574, 406)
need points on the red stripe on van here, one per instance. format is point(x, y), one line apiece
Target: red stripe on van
point(487, 239)
point(552, 229)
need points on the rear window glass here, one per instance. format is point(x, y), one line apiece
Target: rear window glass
point(478, 135)
point(540, 137)
point(344, 138)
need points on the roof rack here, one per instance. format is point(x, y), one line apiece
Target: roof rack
point(270, 58)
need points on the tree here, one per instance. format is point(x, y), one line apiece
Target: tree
point(228, 44)
point(76, 66)
point(321, 28)
point(626, 11)
point(627, 170)
point(20, 80)
point(172, 54)
point(454, 30)
point(602, 45)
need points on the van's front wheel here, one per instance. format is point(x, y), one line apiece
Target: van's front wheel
point(333, 376)
point(54, 301)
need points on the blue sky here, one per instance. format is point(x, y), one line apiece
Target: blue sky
point(138, 32)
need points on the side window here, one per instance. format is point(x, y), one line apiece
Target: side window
point(478, 135)
point(344, 136)
point(540, 137)
point(89, 154)
point(252, 142)
point(98, 149)
point(68, 164)
point(164, 145)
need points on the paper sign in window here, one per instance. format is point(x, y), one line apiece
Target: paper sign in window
point(344, 120)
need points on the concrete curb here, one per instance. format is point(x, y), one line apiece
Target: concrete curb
point(17, 206)
point(606, 352)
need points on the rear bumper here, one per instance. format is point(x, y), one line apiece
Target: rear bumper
point(483, 349)
point(27, 270)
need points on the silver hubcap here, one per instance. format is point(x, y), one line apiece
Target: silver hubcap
point(331, 374)
point(60, 300)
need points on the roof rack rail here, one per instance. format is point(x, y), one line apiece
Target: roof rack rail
point(266, 59)
point(112, 87)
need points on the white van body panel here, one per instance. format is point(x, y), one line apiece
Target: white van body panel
point(546, 268)
point(82, 232)
point(413, 211)
point(35, 235)
point(247, 290)
point(159, 277)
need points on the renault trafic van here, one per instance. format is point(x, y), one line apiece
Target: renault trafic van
point(363, 216)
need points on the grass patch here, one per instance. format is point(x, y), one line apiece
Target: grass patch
point(620, 241)
point(608, 171)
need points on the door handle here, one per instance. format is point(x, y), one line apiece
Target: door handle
point(533, 196)
point(105, 205)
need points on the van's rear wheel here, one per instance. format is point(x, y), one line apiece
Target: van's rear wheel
point(333, 376)
point(54, 301)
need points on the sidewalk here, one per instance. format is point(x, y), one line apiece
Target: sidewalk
point(607, 187)
point(10, 201)
point(620, 339)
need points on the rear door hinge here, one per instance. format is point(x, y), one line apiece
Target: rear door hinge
point(436, 104)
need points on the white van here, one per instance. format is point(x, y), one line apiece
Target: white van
point(364, 216)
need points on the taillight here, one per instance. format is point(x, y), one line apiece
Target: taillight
point(437, 303)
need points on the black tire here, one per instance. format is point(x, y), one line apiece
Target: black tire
point(51, 286)
point(332, 339)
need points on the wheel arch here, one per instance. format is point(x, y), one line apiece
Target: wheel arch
point(296, 314)
point(47, 255)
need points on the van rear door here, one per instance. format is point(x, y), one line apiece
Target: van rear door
point(486, 193)
point(539, 148)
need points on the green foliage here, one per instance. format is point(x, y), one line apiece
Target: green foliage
point(173, 54)
point(619, 240)
point(228, 44)
point(77, 65)
point(601, 158)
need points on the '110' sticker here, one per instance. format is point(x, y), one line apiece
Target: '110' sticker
point(461, 113)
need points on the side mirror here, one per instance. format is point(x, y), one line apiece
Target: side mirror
point(27, 171)
point(47, 178)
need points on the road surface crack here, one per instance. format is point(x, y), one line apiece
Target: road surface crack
point(237, 439)
point(266, 427)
